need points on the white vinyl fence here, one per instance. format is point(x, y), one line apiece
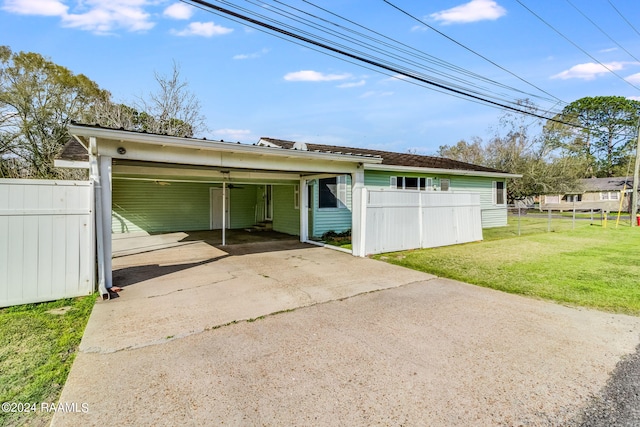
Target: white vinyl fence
point(46, 240)
point(401, 220)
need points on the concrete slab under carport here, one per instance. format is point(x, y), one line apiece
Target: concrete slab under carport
point(175, 285)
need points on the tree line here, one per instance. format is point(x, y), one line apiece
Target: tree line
point(39, 99)
point(590, 137)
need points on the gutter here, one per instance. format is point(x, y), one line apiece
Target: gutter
point(417, 169)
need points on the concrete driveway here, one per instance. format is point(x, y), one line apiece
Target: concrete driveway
point(352, 342)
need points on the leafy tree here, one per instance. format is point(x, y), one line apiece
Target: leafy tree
point(171, 110)
point(514, 149)
point(469, 152)
point(602, 136)
point(38, 99)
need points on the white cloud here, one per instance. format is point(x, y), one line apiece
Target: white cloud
point(475, 10)
point(352, 84)
point(35, 7)
point(204, 29)
point(251, 55)
point(634, 98)
point(634, 78)
point(178, 11)
point(97, 16)
point(588, 71)
point(314, 76)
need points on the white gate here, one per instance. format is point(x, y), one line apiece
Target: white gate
point(46, 240)
point(399, 220)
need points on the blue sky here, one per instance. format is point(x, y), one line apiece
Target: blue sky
point(252, 84)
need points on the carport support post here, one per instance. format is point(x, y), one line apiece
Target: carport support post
point(358, 212)
point(303, 201)
point(224, 211)
point(105, 181)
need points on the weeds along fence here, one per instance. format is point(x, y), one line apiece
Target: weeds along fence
point(530, 219)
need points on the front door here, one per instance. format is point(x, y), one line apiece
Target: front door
point(215, 196)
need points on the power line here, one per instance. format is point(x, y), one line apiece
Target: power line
point(470, 50)
point(371, 62)
point(625, 19)
point(601, 30)
point(576, 45)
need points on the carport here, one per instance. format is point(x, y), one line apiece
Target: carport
point(122, 158)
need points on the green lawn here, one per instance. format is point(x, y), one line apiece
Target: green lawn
point(37, 349)
point(581, 264)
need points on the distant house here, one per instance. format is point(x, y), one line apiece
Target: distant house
point(606, 194)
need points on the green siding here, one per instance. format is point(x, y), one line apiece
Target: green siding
point(242, 211)
point(178, 206)
point(286, 218)
point(147, 206)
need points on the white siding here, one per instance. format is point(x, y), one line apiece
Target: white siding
point(46, 240)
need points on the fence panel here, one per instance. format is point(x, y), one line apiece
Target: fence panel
point(401, 220)
point(46, 240)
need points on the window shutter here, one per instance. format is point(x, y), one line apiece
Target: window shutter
point(393, 182)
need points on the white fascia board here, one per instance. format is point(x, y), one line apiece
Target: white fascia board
point(395, 168)
point(173, 141)
point(72, 164)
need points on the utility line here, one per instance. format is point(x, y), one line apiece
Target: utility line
point(440, 61)
point(470, 50)
point(373, 63)
point(576, 45)
point(601, 30)
point(625, 19)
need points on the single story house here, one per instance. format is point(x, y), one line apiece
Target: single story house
point(157, 183)
point(605, 194)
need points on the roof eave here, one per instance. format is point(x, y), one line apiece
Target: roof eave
point(174, 141)
point(391, 168)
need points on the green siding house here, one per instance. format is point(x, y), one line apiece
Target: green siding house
point(330, 200)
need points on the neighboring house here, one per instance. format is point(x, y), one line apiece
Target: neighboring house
point(413, 172)
point(606, 194)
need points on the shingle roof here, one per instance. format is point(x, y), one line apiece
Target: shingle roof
point(605, 184)
point(74, 151)
point(391, 158)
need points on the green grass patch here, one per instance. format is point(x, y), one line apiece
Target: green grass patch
point(37, 349)
point(579, 264)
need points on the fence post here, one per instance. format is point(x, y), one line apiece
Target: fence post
point(549, 222)
point(518, 220)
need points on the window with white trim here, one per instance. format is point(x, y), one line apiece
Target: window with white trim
point(609, 195)
point(499, 195)
point(332, 192)
point(411, 183)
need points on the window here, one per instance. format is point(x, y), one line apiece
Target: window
point(571, 198)
point(444, 184)
point(410, 183)
point(332, 192)
point(609, 195)
point(498, 197)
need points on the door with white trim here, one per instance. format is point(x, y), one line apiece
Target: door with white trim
point(215, 197)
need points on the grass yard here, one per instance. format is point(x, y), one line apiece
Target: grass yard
point(588, 265)
point(38, 343)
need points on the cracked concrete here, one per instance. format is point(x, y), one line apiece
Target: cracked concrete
point(356, 342)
